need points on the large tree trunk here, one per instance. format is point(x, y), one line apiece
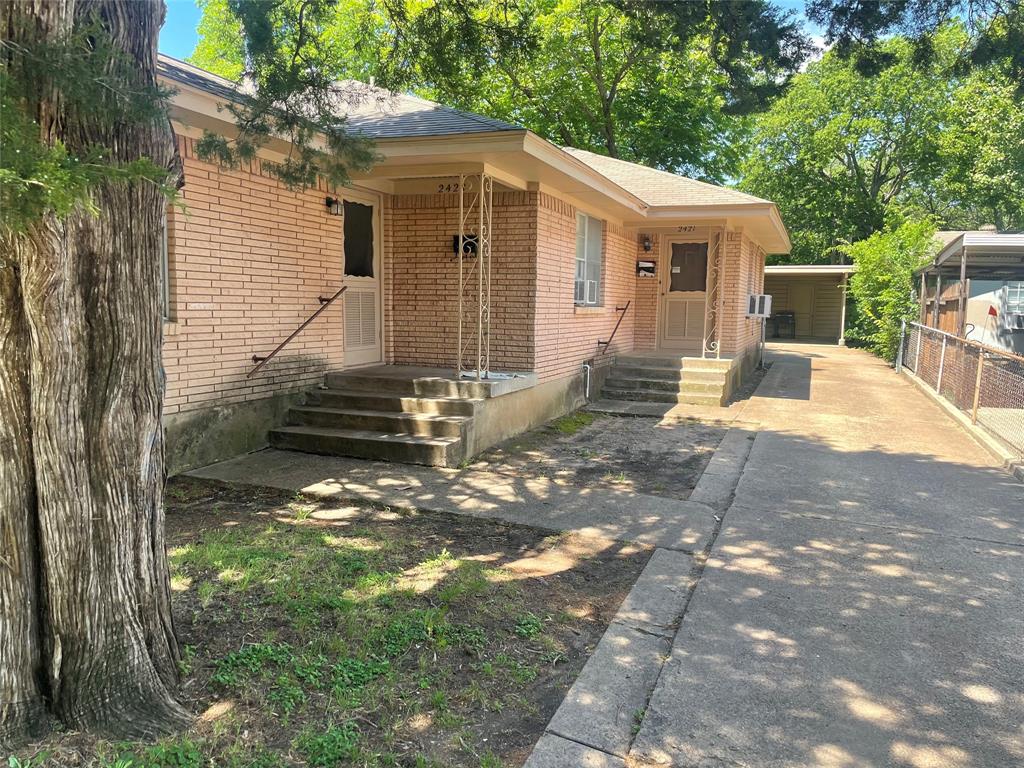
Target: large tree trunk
point(85, 620)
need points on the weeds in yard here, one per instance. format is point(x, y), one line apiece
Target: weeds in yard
point(528, 625)
point(320, 644)
point(331, 747)
point(573, 422)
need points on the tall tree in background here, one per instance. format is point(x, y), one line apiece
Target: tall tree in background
point(87, 163)
point(841, 148)
point(858, 31)
point(666, 84)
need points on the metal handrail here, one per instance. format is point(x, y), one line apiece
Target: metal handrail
point(324, 304)
point(611, 338)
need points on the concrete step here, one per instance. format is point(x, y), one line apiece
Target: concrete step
point(642, 395)
point(423, 424)
point(369, 444)
point(645, 372)
point(702, 387)
point(704, 375)
point(427, 386)
point(352, 399)
point(664, 385)
point(707, 364)
point(643, 361)
point(696, 398)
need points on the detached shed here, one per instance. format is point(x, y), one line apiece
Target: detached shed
point(814, 295)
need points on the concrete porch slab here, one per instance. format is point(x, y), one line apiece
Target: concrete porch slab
point(502, 383)
point(542, 502)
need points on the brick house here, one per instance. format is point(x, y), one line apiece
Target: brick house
point(485, 270)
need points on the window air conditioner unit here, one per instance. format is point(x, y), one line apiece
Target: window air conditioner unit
point(759, 305)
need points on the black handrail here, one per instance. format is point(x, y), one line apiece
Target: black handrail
point(623, 310)
point(324, 304)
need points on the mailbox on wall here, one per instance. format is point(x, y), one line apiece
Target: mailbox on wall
point(645, 269)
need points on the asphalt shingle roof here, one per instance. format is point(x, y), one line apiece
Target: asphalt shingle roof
point(374, 112)
point(656, 187)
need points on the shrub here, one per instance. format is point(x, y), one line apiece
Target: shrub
point(883, 284)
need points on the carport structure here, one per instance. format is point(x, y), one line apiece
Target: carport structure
point(815, 296)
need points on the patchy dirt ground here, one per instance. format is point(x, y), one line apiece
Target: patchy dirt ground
point(316, 633)
point(631, 453)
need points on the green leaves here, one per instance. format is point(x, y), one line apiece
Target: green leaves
point(842, 152)
point(40, 175)
point(660, 83)
point(883, 282)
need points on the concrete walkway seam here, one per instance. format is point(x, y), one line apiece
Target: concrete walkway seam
point(604, 709)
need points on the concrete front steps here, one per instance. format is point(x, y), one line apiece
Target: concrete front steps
point(389, 413)
point(668, 379)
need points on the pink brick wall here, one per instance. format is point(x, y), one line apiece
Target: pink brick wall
point(645, 330)
point(423, 275)
point(567, 335)
point(248, 257)
point(744, 275)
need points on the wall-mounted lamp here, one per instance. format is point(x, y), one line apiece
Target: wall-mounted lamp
point(647, 242)
point(333, 206)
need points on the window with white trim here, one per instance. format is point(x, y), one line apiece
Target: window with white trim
point(589, 237)
point(1015, 297)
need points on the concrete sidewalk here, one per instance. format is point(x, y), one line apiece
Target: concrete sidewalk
point(538, 501)
point(863, 604)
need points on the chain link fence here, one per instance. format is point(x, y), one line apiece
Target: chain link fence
point(985, 383)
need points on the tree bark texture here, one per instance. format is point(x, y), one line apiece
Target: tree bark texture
point(85, 620)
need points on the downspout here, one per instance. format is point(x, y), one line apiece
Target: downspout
point(586, 381)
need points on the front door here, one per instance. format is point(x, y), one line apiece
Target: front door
point(362, 304)
point(683, 292)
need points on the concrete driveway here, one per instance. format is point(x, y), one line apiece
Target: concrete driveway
point(863, 604)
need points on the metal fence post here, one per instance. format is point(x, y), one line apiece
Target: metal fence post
point(917, 352)
point(942, 363)
point(977, 386)
point(899, 352)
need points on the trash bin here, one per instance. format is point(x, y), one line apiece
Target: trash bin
point(783, 325)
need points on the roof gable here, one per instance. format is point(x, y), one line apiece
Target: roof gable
point(661, 188)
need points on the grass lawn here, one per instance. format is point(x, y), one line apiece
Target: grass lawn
point(322, 633)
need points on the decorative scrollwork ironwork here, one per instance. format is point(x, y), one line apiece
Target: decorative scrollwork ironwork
point(712, 307)
point(474, 276)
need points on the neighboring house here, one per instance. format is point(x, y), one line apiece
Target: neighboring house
point(808, 301)
point(504, 335)
point(974, 288)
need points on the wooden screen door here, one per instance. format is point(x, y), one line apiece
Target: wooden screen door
point(683, 286)
point(362, 265)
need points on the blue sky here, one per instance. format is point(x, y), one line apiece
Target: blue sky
point(178, 36)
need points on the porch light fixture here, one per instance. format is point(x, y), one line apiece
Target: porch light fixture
point(333, 206)
point(647, 243)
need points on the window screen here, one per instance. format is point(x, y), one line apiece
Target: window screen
point(689, 267)
point(358, 240)
point(589, 236)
